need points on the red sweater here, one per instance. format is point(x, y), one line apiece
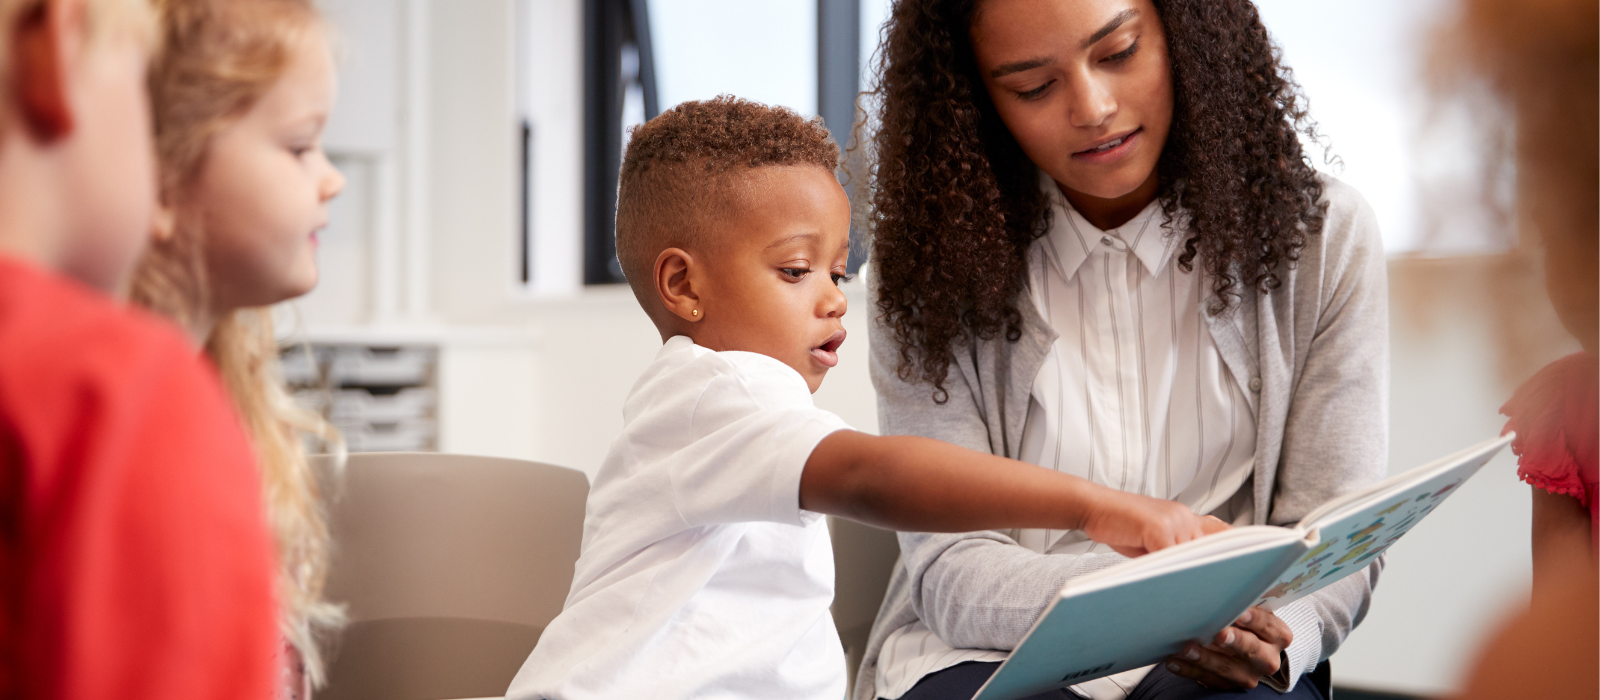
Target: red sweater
point(134, 557)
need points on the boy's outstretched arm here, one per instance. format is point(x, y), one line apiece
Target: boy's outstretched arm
point(922, 485)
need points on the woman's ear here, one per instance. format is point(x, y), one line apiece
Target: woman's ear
point(675, 278)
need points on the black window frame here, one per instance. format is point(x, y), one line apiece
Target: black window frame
point(608, 27)
point(611, 25)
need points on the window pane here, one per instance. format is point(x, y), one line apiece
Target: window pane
point(764, 51)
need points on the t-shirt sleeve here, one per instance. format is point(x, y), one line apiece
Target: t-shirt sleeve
point(1554, 415)
point(152, 571)
point(754, 428)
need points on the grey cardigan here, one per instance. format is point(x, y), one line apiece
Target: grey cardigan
point(1313, 359)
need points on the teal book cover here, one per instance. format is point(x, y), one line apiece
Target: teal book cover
point(1136, 613)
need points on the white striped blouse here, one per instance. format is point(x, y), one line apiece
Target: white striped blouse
point(1133, 395)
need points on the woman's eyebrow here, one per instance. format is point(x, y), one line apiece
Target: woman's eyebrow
point(1005, 69)
point(1121, 18)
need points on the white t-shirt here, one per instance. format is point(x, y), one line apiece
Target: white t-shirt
point(700, 576)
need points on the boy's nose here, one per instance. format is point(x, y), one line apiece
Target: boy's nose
point(835, 303)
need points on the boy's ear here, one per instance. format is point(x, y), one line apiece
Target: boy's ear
point(674, 280)
point(42, 40)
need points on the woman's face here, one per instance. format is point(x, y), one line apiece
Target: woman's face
point(264, 186)
point(1083, 85)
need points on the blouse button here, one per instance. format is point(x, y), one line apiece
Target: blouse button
point(1255, 384)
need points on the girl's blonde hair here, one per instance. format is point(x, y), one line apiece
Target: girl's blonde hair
point(220, 57)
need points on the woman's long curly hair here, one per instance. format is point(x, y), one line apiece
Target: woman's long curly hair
point(956, 203)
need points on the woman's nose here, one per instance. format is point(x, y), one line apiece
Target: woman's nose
point(1092, 103)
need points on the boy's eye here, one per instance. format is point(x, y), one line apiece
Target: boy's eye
point(795, 273)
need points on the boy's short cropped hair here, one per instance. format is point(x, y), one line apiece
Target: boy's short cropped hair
point(682, 170)
point(135, 18)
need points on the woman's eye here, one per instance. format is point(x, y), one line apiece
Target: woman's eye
point(1123, 55)
point(299, 151)
point(1035, 93)
point(795, 273)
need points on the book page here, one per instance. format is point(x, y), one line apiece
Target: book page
point(1222, 545)
point(1347, 537)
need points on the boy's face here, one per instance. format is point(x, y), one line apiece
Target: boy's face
point(76, 148)
point(770, 280)
point(113, 167)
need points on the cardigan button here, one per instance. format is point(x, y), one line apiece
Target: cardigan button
point(1255, 384)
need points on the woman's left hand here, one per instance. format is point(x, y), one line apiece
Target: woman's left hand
point(1240, 655)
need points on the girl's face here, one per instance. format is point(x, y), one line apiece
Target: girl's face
point(1083, 85)
point(263, 188)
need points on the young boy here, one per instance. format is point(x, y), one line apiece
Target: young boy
point(134, 559)
point(706, 568)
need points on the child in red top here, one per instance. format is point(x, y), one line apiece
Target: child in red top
point(1556, 416)
point(134, 561)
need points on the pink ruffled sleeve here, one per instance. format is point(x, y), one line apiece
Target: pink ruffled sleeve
point(1556, 416)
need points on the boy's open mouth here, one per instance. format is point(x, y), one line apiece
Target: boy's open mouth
point(828, 352)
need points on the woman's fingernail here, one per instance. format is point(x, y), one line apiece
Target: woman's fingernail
point(1227, 636)
point(1191, 654)
point(1173, 666)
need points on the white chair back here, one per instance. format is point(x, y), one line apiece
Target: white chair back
point(451, 567)
point(863, 559)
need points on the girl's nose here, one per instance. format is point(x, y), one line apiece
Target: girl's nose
point(332, 183)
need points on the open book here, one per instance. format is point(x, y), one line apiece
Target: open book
point(1141, 611)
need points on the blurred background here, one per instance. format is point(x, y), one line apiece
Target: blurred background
point(470, 301)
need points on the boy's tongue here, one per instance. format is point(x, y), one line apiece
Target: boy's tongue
point(827, 358)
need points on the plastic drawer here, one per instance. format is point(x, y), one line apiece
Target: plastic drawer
point(357, 405)
point(400, 436)
point(363, 366)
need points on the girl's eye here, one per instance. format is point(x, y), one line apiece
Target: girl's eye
point(795, 273)
point(299, 151)
point(1035, 93)
point(841, 277)
point(1123, 55)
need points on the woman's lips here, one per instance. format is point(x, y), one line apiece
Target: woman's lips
point(1101, 154)
point(828, 352)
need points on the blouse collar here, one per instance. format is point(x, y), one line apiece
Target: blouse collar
point(1074, 238)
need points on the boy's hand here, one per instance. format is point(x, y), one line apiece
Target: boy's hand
point(1133, 525)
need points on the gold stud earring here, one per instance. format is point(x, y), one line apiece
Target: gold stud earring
point(694, 312)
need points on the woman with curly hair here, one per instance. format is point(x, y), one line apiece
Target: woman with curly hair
point(1099, 247)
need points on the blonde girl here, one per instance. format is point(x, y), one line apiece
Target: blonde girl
point(240, 98)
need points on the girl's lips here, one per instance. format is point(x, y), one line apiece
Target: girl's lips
point(828, 352)
point(1110, 154)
